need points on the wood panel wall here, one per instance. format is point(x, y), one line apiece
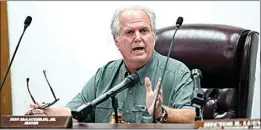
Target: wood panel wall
point(6, 97)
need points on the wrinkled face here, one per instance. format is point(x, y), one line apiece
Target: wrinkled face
point(136, 40)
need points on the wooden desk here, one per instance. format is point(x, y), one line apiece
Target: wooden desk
point(245, 123)
point(56, 122)
point(131, 126)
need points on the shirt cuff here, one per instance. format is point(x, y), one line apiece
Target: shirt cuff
point(188, 107)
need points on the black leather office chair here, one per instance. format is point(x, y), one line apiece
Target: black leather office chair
point(226, 55)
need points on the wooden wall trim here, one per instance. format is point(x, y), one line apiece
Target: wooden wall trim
point(6, 97)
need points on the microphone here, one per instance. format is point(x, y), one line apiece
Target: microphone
point(85, 109)
point(27, 22)
point(198, 98)
point(178, 24)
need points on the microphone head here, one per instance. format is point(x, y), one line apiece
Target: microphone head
point(197, 72)
point(28, 21)
point(179, 21)
point(134, 77)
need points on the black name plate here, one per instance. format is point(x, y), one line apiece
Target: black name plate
point(36, 122)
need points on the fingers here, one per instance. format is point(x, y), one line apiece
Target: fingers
point(35, 112)
point(74, 120)
point(159, 102)
point(157, 86)
point(160, 98)
point(123, 122)
point(40, 104)
point(148, 85)
point(29, 113)
point(38, 112)
point(36, 105)
point(161, 94)
point(36, 109)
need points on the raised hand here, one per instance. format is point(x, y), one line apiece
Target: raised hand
point(151, 96)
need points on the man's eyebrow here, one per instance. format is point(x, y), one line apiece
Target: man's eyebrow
point(145, 27)
point(128, 27)
point(125, 28)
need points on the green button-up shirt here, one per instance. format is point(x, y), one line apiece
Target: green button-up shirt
point(177, 88)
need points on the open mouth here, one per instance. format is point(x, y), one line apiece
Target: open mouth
point(138, 48)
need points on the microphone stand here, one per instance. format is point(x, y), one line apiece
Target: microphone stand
point(199, 112)
point(178, 24)
point(198, 99)
point(27, 22)
point(80, 112)
point(114, 102)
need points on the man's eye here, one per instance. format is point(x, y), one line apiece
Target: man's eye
point(144, 30)
point(129, 32)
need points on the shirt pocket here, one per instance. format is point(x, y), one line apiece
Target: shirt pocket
point(141, 114)
point(104, 110)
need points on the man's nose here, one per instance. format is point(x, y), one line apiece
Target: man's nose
point(137, 37)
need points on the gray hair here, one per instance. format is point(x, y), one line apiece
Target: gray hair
point(115, 23)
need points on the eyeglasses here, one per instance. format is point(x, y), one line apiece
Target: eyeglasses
point(45, 105)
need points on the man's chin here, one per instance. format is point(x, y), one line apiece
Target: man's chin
point(141, 58)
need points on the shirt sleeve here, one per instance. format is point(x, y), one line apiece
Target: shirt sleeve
point(183, 89)
point(86, 95)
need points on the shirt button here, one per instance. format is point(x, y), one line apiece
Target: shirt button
point(130, 92)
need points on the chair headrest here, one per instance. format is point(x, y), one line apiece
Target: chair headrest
point(214, 49)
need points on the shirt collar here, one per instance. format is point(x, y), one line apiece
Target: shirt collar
point(142, 72)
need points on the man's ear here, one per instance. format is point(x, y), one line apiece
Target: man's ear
point(154, 42)
point(116, 40)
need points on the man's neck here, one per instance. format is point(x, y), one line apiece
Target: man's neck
point(133, 67)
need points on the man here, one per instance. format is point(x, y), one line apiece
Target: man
point(133, 30)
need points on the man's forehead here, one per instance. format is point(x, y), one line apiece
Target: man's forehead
point(133, 16)
point(130, 12)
